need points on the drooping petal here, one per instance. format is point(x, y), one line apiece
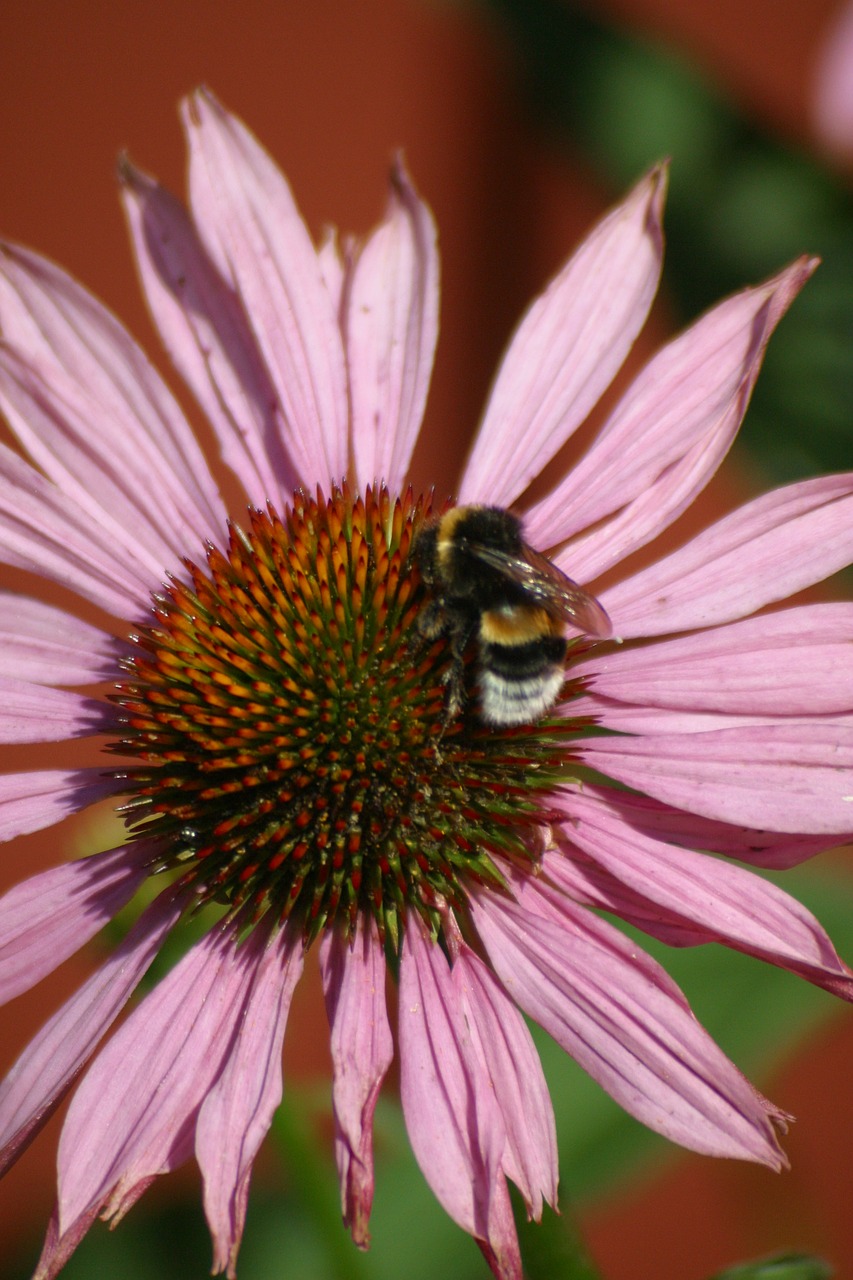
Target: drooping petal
point(515, 1072)
point(46, 645)
point(718, 901)
point(794, 662)
point(33, 801)
point(237, 1112)
point(362, 1047)
point(452, 1117)
point(130, 1116)
point(59, 327)
point(769, 549)
point(47, 918)
point(622, 1018)
point(668, 434)
point(789, 777)
point(209, 338)
point(250, 226)
point(391, 327)
point(38, 713)
point(43, 1073)
point(568, 347)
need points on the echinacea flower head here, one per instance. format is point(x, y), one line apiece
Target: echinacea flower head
point(278, 732)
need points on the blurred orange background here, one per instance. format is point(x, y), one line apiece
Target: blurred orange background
point(333, 89)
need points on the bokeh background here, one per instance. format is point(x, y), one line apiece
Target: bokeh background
point(521, 121)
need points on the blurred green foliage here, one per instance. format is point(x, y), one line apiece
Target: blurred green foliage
point(741, 206)
point(789, 1267)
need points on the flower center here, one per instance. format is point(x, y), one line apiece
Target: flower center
point(288, 720)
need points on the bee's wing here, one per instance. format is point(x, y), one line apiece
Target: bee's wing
point(548, 586)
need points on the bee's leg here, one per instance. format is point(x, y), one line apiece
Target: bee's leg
point(430, 623)
point(454, 682)
point(434, 621)
point(454, 677)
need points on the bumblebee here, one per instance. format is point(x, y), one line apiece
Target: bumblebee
point(486, 584)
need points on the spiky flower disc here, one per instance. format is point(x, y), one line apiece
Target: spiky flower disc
point(291, 729)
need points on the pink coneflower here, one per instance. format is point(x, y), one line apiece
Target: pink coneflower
point(278, 736)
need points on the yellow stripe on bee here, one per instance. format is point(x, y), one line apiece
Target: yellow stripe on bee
point(517, 624)
point(445, 546)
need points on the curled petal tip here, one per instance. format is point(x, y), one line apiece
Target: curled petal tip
point(127, 173)
point(782, 288)
point(658, 176)
point(400, 181)
point(399, 173)
point(805, 266)
point(194, 104)
point(656, 185)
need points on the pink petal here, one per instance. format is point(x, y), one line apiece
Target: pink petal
point(47, 1067)
point(568, 347)
point(690, 831)
point(32, 801)
point(52, 420)
point(507, 1049)
point(766, 551)
point(452, 1117)
point(56, 325)
point(795, 662)
point(237, 1112)
point(621, 1017)
point(250, 226)
point(791, 777)
point(128, 1120)
point(42, 531)
point(668, 434)
point(47, 918)
point(641, 718)
point(391, 329)
point(362, 1051)
point(37, 713)
point(717, 901)
point(209, 338)
point(832, 107)
point(46, 645)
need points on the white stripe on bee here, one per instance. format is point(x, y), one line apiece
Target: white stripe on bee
point(505, 701)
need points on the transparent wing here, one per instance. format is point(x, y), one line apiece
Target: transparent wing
point(546, 585)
